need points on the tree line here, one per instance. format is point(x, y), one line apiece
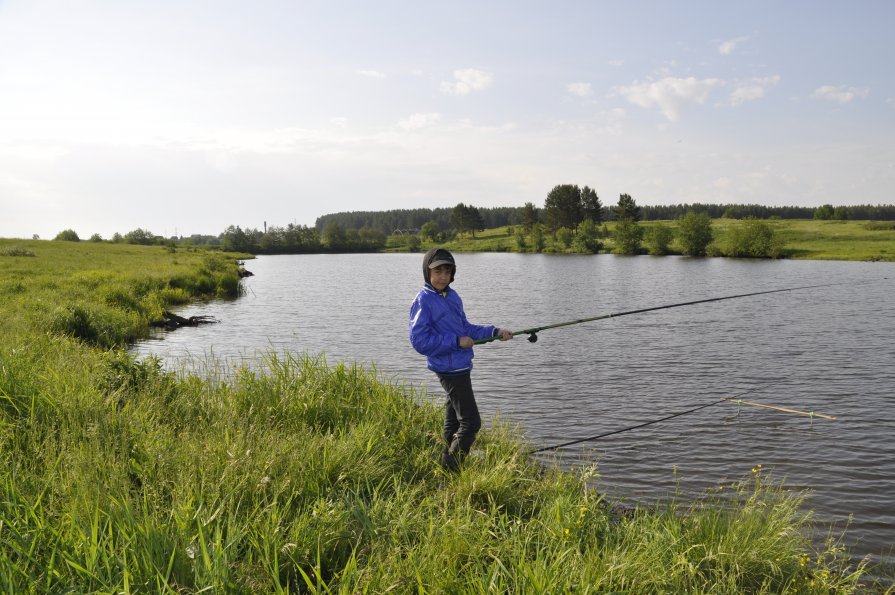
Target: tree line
point(571, 214)
point(398, 220)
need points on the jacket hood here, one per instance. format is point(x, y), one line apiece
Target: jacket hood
point(438, 256)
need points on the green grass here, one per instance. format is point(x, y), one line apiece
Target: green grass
point(838, 240)
point(803, 239)
point(104, 294)
point(308, 477)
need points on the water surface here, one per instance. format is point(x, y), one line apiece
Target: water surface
point(827, 349)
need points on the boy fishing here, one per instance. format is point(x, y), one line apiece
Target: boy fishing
point(440, 331)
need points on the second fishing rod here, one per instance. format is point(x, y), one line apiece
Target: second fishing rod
point(533, 332)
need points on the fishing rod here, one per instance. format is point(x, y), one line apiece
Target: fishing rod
point(533, 332)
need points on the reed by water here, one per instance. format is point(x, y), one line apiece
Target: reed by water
point(310, 476)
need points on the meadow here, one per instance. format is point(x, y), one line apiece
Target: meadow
point(311, 477)
point(802, 239)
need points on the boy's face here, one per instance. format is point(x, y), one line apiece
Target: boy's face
point(440, 277)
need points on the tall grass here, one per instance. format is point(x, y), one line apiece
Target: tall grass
point(104, 294)
point(306, 477)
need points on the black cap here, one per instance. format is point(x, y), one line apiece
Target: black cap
point(437, 257)
point(441, 257)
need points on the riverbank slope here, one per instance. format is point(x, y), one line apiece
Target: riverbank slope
point(307, 477)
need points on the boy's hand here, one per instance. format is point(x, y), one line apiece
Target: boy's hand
point(465, 342)
point(505, 334)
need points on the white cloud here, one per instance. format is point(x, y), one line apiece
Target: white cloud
point(616, 63)
point(580, 89)
point(372, 74)
point(419, 120)
point(466, 81)
point(727, 47)
point(670, 94)
point(840, 94)
point(752, 89)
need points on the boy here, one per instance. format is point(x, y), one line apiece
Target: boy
point(439, 330)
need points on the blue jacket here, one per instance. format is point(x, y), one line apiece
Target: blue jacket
point(437, 321)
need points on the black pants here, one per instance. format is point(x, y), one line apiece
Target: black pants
point(461, 414)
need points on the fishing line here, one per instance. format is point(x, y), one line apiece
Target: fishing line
point(628, 429)
point(732, 399)
point(532, 333)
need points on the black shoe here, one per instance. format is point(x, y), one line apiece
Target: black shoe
point(449, 461)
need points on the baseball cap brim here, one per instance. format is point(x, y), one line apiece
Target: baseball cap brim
point(438, 263)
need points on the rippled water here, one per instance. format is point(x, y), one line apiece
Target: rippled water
point(830, 350)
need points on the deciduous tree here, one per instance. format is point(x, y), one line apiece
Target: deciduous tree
point(429, 231)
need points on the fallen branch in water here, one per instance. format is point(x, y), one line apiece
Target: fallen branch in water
point(173, 321)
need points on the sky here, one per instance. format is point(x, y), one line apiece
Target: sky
point(184, 117)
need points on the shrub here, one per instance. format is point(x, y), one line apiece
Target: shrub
point(537, 237)
point(695, 233)
point(141, 236)
point(16, 251)
point(216, 262)
point(658, 239)
point(564, 236)
point(628, 235)
point(753, 239)
point(67, 235)
point(588, 237)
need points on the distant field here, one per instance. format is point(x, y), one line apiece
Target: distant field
point(838, 240)
point(803, 239)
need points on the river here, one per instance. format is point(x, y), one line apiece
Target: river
point(828, 350)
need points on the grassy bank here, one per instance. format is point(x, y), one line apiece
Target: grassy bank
point(103, 293)
point(120, 477)
point(802, 239)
